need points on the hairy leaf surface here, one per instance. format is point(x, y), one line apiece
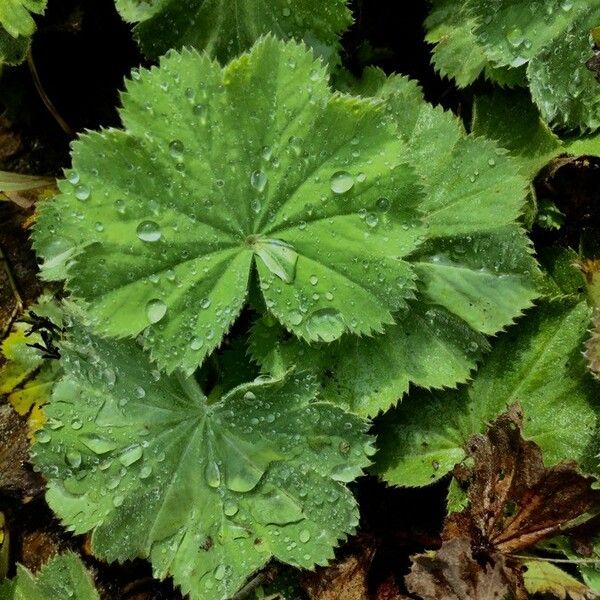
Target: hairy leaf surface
point(476, 272)
point(550, 38)
point(63, 577)
point(158, 226)
point(226, 28)
point(537, 363)
point(208, 491)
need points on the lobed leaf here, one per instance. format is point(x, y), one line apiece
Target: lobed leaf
point(209, 491)
point(225, 29)
point(16, 28)
point(159, 227)
point(538, 364)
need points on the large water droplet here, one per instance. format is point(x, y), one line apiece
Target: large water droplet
point(258, 180)
point(82, 192)
point(326, 324)
point(73, 458)
point(304, 536)
point(230, 508)
point(130, 455)
point(98, 444)
point(149, 231)
point(212, 474)
point(156, 309)
point(341, 182)
point(176, 149)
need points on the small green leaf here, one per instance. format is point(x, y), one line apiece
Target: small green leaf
point(158, 226)
point(226, 28)
point(16, 28)
point(209, 492)
point(63, 577)
point(537, 363)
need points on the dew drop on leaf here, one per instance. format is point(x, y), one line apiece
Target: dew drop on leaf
point(212, 474)
point(131, 455)
point(156, 309)
point(98, 444)
point(258, 180)
point(176, 149)
point(73, 458)
point(304, 536)
point(82, 192)
point(230, 508)
point(196, 343)
point(149, 231)
point(341, 182)
point(326, 324)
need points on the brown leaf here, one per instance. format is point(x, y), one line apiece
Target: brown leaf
point(16, 475)
point(514, 503)
point(452, 573)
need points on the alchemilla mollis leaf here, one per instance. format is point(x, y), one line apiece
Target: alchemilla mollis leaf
point(16, 28)
point(62, 577)
point(157, 227)
point(226, 28)
point(537, 363)
point(208, 491)
point(475, 265)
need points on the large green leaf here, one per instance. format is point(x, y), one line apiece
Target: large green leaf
point(259, 163)
point(537, 363)
point(208, 491)
point(16, 28)
point(475, 266)
point(226, 28)
point(61, 578)
point(550, 38)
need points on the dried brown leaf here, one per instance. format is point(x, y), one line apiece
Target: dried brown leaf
point(452, 573)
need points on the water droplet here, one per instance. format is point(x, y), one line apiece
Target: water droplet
point(249, 396)
point(139, 391)
point(492, 162)
point(383, 204)
point(230, 508)
point(196, 343)
point(304, 536)
point(566, 5)
point(176, 148)
point(82, 192)
point(326, 324)
point(220, 572)
point(295, 317)
point(145, 472)
point(118, 501)
point(258, 180)
point(73, 458)
point(212, 474)
point(205, 303)
point(341, 182)
point(515, 37)
point(156, 309)
point(130, 455)
point(372, 220)
point(314, 280)
point(149, 231)
point(43, 436)
point(76, 423)
point(98, 444)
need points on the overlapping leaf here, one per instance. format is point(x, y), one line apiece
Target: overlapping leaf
point(158, 226)
point(16, 27)
point(551, 39)
point(539, 363)
point(475, 267)
point(226, 28)
point(63, 577)
point(209, 492)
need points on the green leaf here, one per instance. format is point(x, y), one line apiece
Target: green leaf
point(226, 28)
point(475, 267)
point(157, 226)
point(537, 363)
point(550, 38)
point(63, 577)
point(208, 491)
point(16, 28)
point(511, 118)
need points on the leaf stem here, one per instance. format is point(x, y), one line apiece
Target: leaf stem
point(45, 99)
point(568, 561)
